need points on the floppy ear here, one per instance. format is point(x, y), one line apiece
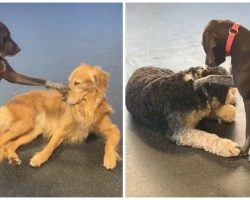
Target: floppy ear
point(101, 78)
point(209, 43)
point(215, 53)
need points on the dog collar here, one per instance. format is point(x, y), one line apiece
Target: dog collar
point(232, 32)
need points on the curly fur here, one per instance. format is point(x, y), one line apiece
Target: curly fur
point(161, 98)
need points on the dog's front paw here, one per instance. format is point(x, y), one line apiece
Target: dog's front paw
point(227, 148)
point(110, 160)
point(37, 160)
point(14, 160)
point(62, 88)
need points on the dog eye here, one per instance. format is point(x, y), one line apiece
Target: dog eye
point(76, 83)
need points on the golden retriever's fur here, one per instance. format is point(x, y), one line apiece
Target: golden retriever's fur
point(84, 110)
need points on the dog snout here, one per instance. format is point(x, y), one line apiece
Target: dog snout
point(12, 48)
point(208, 63)
point(18, 49)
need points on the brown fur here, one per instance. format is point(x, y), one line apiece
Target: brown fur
point(85, 110)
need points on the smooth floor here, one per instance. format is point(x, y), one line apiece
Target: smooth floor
point(169, 35)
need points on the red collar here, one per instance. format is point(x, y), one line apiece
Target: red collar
point(232, 32)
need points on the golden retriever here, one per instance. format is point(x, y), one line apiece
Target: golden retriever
point(84, 110)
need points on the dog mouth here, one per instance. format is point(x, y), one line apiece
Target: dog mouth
point(2, 54)
point(74, 102)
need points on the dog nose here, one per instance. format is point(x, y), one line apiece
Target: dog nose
point(17, 49)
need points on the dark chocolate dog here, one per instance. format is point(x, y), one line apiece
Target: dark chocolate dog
point(9, 48)
point(214, 42)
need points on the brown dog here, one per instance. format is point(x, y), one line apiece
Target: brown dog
point(214, 42)
point(9, 48)
point(85, 110)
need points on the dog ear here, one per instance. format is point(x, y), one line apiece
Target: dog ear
point(101, 78)
point(215, 54)
point(209, 44)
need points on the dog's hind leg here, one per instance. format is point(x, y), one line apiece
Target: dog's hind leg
point(17, 128)
point(226, 80)
point(12, 146)
point(207, 141)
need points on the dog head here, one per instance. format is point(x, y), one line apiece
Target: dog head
point(222, 97)
point(222, 102)
point(214, 41)
point(86, 80)
point(7, 46)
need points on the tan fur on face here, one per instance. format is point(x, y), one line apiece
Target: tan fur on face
point(84, 80)
point(225, 112)
point(86, 110)
point(230, 99)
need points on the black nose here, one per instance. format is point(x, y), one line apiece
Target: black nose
point(17, 49)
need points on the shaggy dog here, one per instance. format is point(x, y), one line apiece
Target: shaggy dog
point(159, 97)
point(84, 110)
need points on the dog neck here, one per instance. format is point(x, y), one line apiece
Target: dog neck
point(85, 109)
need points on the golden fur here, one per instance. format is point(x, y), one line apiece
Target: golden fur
point(84, 110)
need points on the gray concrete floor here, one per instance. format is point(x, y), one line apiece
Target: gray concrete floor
point(55, 38)
point(169, 35)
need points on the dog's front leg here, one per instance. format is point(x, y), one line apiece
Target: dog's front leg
point(226, 80)
point(39, 158)
point(112, 136)
point(207, 141)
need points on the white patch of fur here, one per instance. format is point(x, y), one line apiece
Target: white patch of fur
point(207, 141)
point(188, 77)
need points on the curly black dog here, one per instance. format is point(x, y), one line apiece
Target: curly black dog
point(9, 48)
point(215, 41)
point(161, 98)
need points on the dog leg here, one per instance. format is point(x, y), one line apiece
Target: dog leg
point(39, 158)
point(112, 136)
point(207, 141)
point(226, 80)
point(18, 128)
point(13, 145)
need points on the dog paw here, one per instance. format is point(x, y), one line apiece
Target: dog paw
point(37, 160)
point(110, 160)
point(228, 148)
point(14, 160)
